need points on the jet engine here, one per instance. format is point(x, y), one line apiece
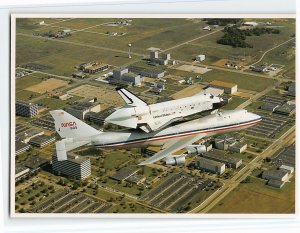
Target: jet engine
point(175, 160)
point(196, 149)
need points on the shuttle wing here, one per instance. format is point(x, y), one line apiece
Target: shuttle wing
point(130, 98)
point(170, 148)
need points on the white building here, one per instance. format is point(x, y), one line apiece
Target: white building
point(200, 57)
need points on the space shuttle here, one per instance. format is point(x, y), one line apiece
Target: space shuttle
point(149, 118)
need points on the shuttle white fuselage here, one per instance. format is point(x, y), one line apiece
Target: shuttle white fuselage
point(153, 117)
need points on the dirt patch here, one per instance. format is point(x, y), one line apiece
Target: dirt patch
point(104, 96)
point(243, 94)
point(47, 86)
point(189, 91)
point(194, 69)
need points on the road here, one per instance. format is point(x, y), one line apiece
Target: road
point(275, 47)
point(286, 139)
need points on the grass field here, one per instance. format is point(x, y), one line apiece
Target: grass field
point(244, 81)
point(27, 81)
point(236, 101)
point(257, 197)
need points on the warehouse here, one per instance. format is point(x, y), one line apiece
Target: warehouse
point(210, 165)
point(151, 73)
point(218, 156)
point(229, 88)
point(286, 109)
point(75, 166)
point(269, 107)
point(26, 136)
point(21, 147)
point(276, 174)
point(42, 141)
point(79, 110)
point(93, 67)
point(21, 171)
point(133, 78)
point(238, 147)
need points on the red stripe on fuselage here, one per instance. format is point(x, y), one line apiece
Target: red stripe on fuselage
point(178, 136)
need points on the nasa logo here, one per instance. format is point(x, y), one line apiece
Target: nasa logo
point(68, 124)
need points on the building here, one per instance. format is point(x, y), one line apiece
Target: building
point(156, 90)
point(214, 91)
point(26, 109)
point(80, 109)
point(21, 147)
point(117, 73)
point(153, 54)
point(223, 142)
point(269, 107)
point(286, 109)
point(229, 88)
point(36, 163)
point(99, 117)
point(124, 173)
point(252, 24)
point(151, 150)
point(207, 28)
point(42, 141)
point(210, 165)
point(151, 73)
point(277, 174)
point(238, 147)
point(75, 166)
point(200, 57)
point(276, 183)
point(134, 79)
point(79, 75)
point(228, 160)
point(26, 136)
point(93, 67)
point(62, 96)
point(136, 179)
point(292, 89)
point(21, 171)
point(289, 169)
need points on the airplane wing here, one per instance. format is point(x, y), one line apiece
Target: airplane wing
point(130, 98)
point(172, 147)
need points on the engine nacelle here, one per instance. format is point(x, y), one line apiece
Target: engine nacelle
point(196, 149)
point(175, 160)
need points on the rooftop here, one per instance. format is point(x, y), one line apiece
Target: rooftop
point(124, 173)
point(275, 174)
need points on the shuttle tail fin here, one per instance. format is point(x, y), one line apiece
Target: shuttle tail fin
point(130, 98)
point(68, 126)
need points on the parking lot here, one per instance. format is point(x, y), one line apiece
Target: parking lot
point(71, 202)
point(286, 157)
point(178, 192)
point(269, 126)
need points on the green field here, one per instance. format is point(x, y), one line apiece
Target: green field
point(244, 81)
point(235, 102)
point(257, 197)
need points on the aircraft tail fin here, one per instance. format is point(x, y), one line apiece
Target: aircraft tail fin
point(130, 98)
point(68, 126)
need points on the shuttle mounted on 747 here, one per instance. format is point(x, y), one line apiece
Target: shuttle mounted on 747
point(137, 114)
point(76, 133)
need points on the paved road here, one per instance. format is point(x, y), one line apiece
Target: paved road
point(286, 139)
